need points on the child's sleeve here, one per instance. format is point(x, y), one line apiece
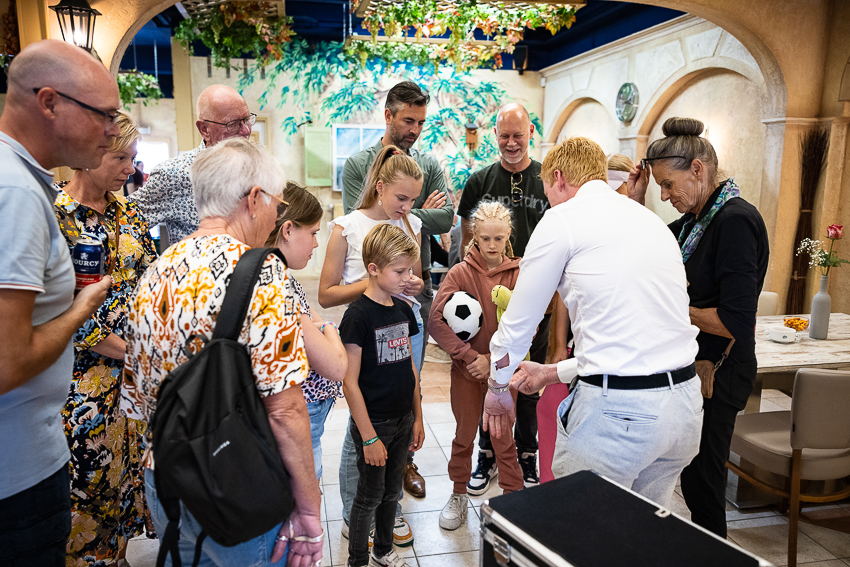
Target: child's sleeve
point(353, 328)
point(413, 326)
point(439, 329)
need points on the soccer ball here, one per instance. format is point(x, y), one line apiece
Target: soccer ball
point(462, 313)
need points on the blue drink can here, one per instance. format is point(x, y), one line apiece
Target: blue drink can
point(87, 258)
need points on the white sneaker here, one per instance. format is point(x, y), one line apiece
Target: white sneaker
point(454, 512)
point(345, 533)
point(391, 559)
point(402, 534)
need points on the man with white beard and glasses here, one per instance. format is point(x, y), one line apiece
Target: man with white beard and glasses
point(515, 182)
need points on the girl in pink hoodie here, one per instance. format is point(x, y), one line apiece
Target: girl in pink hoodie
point(488, 262)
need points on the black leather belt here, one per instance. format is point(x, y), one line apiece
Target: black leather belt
point(642, 382)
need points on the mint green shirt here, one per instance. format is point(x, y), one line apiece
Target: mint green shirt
point(434, 221)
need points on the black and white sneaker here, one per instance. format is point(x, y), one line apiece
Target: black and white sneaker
point(528, 464)
point(484, 473)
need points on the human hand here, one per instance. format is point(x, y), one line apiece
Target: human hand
point(91, 297)
point(499, 413)
point(375, 454)
point(300, 525)
point(435, 200)
point(531, 377)
point(418, 435)
point(480, 367)
point(446, 241)
point(414, 286)
point(637, 183)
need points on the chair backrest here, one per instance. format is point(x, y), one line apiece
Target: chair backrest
point(768, 303)
point(820, 409)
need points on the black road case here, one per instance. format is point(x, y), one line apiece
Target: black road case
point(585, 520)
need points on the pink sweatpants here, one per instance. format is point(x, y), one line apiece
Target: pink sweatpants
point(547, 431)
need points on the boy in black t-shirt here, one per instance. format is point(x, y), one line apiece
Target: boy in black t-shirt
point(382, 390)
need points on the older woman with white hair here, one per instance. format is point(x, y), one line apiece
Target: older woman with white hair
point(237, 186)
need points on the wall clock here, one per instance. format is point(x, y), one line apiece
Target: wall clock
point(627, 102)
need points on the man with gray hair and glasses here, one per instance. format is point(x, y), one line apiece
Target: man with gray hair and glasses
point(167, 195)
point(61, 107)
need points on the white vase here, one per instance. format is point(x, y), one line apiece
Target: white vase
point(821, 304)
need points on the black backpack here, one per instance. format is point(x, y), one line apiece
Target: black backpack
point(214, 449)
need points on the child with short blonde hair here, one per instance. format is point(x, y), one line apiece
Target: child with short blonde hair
point(382, 389)
point(487, 263)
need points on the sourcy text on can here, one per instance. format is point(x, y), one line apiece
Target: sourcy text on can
point(87, 258)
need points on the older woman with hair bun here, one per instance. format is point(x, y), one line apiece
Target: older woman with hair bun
point(725, 249)
point(107, 490)
point(237, 187)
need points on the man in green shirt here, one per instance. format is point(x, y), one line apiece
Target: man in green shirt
point(404, 113)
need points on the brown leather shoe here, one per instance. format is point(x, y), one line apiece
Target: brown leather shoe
point(413, 481)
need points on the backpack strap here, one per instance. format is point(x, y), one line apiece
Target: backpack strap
point(240, 288)
point(171, 538)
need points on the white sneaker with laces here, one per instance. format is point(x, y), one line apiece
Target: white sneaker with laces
point(391, 559)
point(402, 534)
point(454, 512)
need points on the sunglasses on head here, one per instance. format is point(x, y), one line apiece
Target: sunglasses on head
point(644, 163)
point(516, 191)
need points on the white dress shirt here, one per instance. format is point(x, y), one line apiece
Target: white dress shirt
point(620, 273)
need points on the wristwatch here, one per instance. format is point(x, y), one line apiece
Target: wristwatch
point(497, 389)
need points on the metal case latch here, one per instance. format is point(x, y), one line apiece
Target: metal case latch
point(501, 551)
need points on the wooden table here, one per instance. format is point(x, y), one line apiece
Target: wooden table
point(777, 362)
point(777, 366)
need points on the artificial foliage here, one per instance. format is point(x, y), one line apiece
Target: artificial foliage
point(133, 84)
point(503, 24)
point(329, 86)
point(234, 29)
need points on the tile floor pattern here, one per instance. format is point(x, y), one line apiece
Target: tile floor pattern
point(762, 531)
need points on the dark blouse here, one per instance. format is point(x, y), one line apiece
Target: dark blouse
point(727, 271)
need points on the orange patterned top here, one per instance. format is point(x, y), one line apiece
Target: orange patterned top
point(180, 295)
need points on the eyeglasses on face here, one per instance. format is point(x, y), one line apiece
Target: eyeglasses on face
point(112, 117)
point(644, 163)
point(234, 126)
point(282, 202)
point(516, 190)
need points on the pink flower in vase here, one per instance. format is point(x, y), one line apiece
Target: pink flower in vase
point(834, 231)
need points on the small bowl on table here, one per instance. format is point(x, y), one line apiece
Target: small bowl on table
point(797, 323)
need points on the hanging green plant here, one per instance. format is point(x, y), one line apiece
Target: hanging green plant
point(133, 84)
point(232, 30)
point(503, 24)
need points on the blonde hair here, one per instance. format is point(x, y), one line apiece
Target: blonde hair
point(682, 138)
point(489, 210)
point(579, 159)
point(619, 162)
point(303, 209)
point(390, 164)
point(385, 243)
point(127, 133)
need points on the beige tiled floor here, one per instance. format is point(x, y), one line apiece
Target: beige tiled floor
point(762, 531)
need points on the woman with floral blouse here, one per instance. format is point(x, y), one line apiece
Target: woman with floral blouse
point(107, 490)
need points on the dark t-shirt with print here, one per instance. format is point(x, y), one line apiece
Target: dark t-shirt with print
point(386, 369)
point(493, 183)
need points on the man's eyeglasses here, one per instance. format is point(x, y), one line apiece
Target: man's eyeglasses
point(516, 191)
point(644, 163)
point(113, 117)
point(234, 126)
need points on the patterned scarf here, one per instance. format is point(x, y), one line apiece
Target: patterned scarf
point(692, 231)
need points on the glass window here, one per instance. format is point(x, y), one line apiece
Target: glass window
point(348, 140)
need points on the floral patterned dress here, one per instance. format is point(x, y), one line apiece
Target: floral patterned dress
point(107, 490)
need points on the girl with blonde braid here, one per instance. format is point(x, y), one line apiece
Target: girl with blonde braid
point(487, 262)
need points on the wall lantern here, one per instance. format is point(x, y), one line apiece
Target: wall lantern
point(471, 137)
point(76, 20)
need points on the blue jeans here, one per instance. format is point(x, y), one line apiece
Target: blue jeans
point(318, 412)
point(35, 523)
point(348, 474)
point(254, 553)
point(378, 488)
point(641, 439)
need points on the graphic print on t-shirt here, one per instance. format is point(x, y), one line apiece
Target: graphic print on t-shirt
point(392, 343)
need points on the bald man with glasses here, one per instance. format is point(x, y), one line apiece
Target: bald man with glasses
point(61, 106)
point(167, 195)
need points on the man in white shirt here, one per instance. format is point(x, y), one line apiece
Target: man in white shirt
point(634, 413)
